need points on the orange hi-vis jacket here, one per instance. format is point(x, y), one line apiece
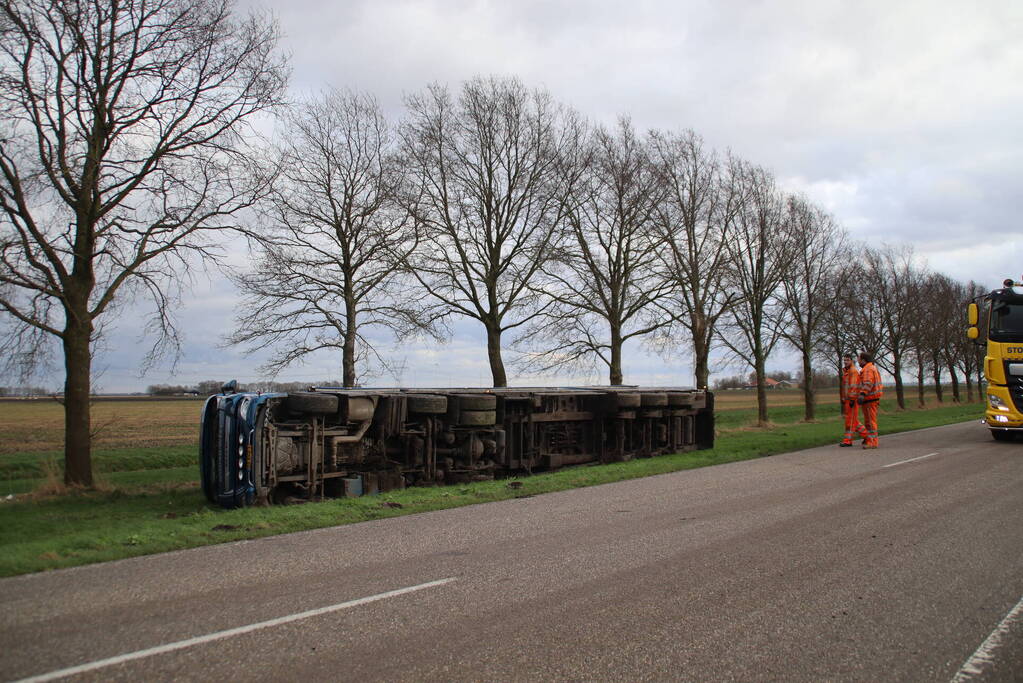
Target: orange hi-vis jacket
point(850, 383)
point(871, 388)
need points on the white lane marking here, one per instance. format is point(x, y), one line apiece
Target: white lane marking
point(985, 653)
point(199, 640)
point(903, 462)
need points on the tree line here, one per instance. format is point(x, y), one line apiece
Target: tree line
point(129, 157)
point(565, 240)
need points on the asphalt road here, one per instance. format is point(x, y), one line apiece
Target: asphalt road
point(824, 564)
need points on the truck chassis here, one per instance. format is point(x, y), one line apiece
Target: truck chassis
point(276, 448)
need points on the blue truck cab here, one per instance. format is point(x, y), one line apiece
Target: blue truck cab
point(229, 451)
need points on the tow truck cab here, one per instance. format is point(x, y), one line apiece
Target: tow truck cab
point(996, 320)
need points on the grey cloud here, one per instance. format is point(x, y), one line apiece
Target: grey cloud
point(901, 118)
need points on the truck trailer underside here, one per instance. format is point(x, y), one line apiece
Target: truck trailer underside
point(261, 448)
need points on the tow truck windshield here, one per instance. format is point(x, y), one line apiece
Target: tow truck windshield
point(1006, 321)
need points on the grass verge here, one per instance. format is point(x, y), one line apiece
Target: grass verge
point(149, 511)
point(33, 465)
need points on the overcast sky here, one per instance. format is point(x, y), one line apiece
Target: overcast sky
point(901, 118)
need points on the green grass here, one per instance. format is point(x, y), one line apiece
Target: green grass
point(34, 464)
point(159, 509)
point(825, 410)
point(731, 419)
point(135, 479)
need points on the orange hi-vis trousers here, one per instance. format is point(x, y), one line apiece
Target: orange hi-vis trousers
point(870, 423)
point(853, 428)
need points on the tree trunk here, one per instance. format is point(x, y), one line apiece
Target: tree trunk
point(841, 378)
point(900, 388)
point(494, 354)
point(615, 374)
point(809, 399)
point(921, 401)
point(702, 370)
point(348, 353)
point(77, 423)
point(937, 383)
point(759, 364)
point(955, 383)
point(701, 355)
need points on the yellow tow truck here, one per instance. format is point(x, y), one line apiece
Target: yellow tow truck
point(997, 320)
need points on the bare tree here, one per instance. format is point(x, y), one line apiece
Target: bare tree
point(929, 332)
point(119, 160)
point(890, 273)
point(863, 308)
point(920, 328)
point(960, 353)
point(693, 222)
point(602, 282)
point(486, 170)
point(937, 342)
point(952, 304)
point(327, 266)
point(817, 248)
point(840, 323)
point(955, 351)
point(759, 256)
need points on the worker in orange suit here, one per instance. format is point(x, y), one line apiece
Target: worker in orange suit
point(849, 391)
point(870, 396)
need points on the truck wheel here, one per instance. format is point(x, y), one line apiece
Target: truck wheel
point(477, 402)
point(477, 418)
point(317, 404)
point(426, 404)
point(999, 435)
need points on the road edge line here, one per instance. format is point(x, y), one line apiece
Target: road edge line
point(903, 462)
point(219, 635)
point(983, 655)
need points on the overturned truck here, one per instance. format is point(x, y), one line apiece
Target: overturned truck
point(263, 448)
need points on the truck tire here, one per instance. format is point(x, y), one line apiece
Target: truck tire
point(426, 404)
point(999, 435)
point(627, 399)
point(312, 403)
point(477, 402)
point(653, 399)
point(477, 418)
